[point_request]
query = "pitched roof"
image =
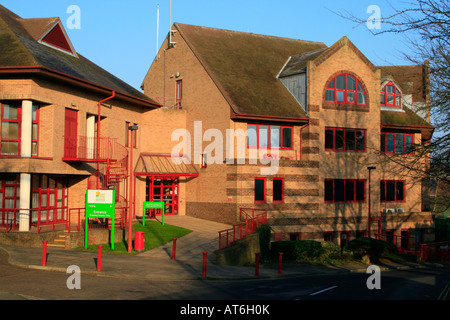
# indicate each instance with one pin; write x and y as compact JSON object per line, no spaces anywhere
{"x":244,"y":67}
{"x":411,"y":79}
{"x":18,"y":40}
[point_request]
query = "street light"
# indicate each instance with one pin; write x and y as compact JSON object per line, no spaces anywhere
{"x":368,"y":214}
{"x":131,"y":128}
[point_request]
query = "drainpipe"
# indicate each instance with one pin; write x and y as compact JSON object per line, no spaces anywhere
{"x":98,"y":130}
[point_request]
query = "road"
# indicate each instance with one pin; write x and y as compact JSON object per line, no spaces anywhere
{"x":413,"y":284}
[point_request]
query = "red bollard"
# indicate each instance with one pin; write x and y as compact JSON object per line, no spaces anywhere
{"x":280,"y":257}
{"x":204,"y":264}
{"x":44,"y":253}
{"x":99,"y":258}
{"x":256,"y":263}
{"x":174,"y":248}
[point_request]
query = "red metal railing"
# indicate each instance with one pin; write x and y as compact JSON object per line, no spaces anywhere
{"x":85,"y":149}
{"x":75,"y":219}
{"x":39,"y":218}
{"x":228,"y":237}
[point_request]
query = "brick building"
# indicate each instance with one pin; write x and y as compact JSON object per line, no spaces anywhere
{"x":229,"y":120}
{"x":63,"y":124}
{"x":325,"y":118}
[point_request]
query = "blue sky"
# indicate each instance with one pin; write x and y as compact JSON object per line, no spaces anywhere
{"x":120,"y":36}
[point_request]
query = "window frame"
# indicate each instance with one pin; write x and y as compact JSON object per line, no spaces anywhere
{"x":179,"y":93}
{"x":282,"y":190}
{"x":18,"y":121}
{"x":384,"y":195}
{"x":264,"y":190}
{"x":383,"y":143}
{"x":345,"y":181}
{"x":346,"y":91}
{"x":395,"y":94}
{"x":269,"y":127}
{"x":344,"y":148}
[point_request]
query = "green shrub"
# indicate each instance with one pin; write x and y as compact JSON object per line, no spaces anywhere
{"x":372,"y":247}
{"x":297,"y":249}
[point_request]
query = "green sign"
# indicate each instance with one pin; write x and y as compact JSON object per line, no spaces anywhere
{"x":153,"y":205}
{"x":100,"y":204}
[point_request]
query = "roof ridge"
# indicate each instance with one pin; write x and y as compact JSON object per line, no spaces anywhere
{"x":247,"y":33}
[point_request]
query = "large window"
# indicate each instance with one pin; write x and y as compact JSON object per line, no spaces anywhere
{"x":345,"y":89}
{"x":398,"y":143}
{"x":269,"y":136}
{"x":344,"y":139}
{"x":390,"y":96}
{"x":344,"y":190}
{"x":392,"y":190}
{"x":278,"y":190}
{"x":260,"y":190}
{"x":11,"y":118}
{"x":11,"y":122}
{"x":9,"y":198}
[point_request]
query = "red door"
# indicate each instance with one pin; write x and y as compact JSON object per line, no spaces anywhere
{"x":70,"y":134}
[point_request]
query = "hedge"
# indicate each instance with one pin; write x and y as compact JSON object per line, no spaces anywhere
{"x":297,"y":250}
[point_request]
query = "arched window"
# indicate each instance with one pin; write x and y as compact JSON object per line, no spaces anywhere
{"x":345,"y":89}
{"x":390,"y":96}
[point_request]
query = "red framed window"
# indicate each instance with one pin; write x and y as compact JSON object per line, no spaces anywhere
{"x":392,"y":191}
{"x":269,"y":136}
{"x":328,"y":236}
{"x":397,"y":143}
{"x":35,"y":130}
{"x":164,"y":189}
{"x":278,"y":190}
{"x":50,"y":197}
{"x":346,"y":89}
{"x":390,"y":96}
{"x":9,"y":197}
{"x":260,"y":190}
{"x":345,"y":139}
{"x":344,"y":190}
{"x":11,"y":126}
{"x":179,"y":93}
{"x":11,"y":121}
{"x":204,"y":160}
{"x":344,"y":238}
{"x":295,"y":236}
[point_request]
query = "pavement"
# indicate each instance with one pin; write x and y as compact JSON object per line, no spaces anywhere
{"x":157,"y":264}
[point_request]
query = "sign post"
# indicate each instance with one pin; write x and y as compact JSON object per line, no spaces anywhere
{"x":100,"y":204}
{"x":153,"y":205}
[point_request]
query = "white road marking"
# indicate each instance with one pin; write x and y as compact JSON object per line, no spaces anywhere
{"x":313,"y":294}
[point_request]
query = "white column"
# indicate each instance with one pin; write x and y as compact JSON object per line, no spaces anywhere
{"x":25,"y":199}
{"x":26,"y":128}
{"x":90,"y":134}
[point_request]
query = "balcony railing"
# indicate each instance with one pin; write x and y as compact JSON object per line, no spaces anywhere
{"x":85,"y":149}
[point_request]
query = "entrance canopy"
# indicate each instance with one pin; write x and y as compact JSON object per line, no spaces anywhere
{"x":164,"y":164}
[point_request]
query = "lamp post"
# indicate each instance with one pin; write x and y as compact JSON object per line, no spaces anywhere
{"x":131,"y":129}
{"x":368,"y":214}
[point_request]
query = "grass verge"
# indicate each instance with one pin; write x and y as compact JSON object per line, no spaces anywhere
{"x":155,"y":235}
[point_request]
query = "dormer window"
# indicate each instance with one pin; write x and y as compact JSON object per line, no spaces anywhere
{"x":345,"y":89}
{"x":390,"y":96}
